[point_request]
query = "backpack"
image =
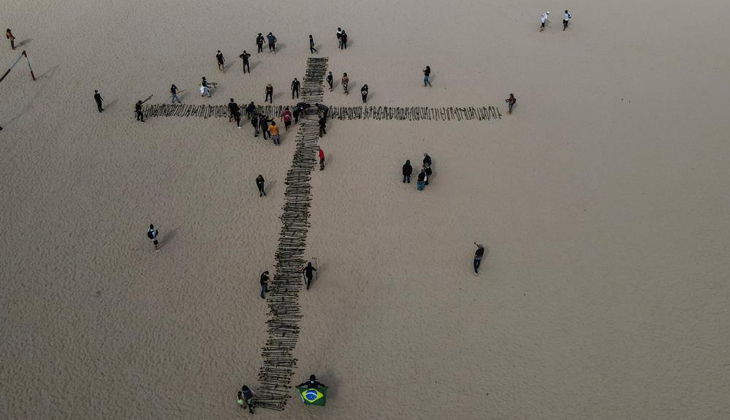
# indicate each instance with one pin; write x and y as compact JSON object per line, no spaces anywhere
{"x":150,"y":235}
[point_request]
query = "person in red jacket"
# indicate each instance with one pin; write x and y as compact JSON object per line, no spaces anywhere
{"x":321,"y":160}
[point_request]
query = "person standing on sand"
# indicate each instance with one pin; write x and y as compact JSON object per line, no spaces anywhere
{"x":173,"y":92}
{"x":322,"y":127}
{"x":138,"y":111}
{"x":260,"y":185}
{"x":10,"y":37}
{"x":264,"y":284}
{"x":311,"y":45}
{"x":427,"y":76}
{"x":345,"y":82}
{"x":330,"y":81}
{"x":295,"y":88}
{"x":511,"y":101}
{"x":272,"y":42}
{"x":233,"y":109}
{"x":308,"y":274}
{"x":428,"y":171}
{"x":426,"y":159}
{"x":407,"y":171}
{"x":269,"y":93}
{"x":339,"y":37}
{"x":221,"y":61}
{"x":152,"y":234}
{"x":321,"y":159}
{"x":98,"y":99}
{"x":246,"y":398}
{"x":260,"y":43}
{"x":245,"y":57}
{"x":544,"y":20}
{"x":255,"y":124}
{"x":205,"y":88}
{"x":250,"y":110}
{"x":286,"y":117}
{"x":274,"y":133}
{"x":264,"y":124}
{"x":566,"y":20}
{"x":364,"y":93}
{"x":478,"y":255}
{"x":343,"y":44}
{"x":421,"y":179}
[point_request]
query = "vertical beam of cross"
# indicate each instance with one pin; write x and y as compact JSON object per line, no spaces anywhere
{"x":284,"y":310}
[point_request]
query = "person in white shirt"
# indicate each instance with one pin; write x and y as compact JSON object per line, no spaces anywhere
{"x":544,"y":20}
{"x":566,"y":20}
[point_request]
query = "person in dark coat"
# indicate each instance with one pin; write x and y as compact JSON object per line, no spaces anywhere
{"x":260,"y":184}
{"x":364,"y":93}
{"x":264,"y":125}
{"x":295,"y":88}
{"x":478,"y":255}
{"x":421,"y":180}
{"x":98,"y":99}
{"x":233,"y":109}
{"x":272,"y":42}
{"x":264,"y":284}
{"x":407,"y":171}
{"x":311,"y":45}
{"x":260,"y":43}
{"x":428,"y":171}
{"x":221,"y":61}
{"x":330,"y":80}
{"x":322,"y":126}
{"x":138,"y":111}
{"x":426,"y":159}
{"x":255,"y":124}
{"x":245,"y":57}
{"x":312,"y":383}
{"x":343,"y":44}
{"x":309,"y":274}
{"x":323,"y":110}
{"x":250,"y":110}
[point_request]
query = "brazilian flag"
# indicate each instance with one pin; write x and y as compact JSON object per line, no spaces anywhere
{"x":313,"y":396}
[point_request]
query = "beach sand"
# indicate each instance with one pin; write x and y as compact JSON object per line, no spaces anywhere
{"x":602,"y":202}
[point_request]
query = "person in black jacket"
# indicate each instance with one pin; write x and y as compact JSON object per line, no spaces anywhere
{"x":97,"y":98}
{"x":260,"y":43}
{"x":421,"y":179}
{"x":364,"y":93}
{"x":426,"y":159}
{"x":233,"y":109}
{"x":312,"y":383}
{"x":245,"y":57}
{"x":322,"y":126}
{"x":260,"y":185}
{"x":330,"y":80}
{"x":255,"y":124}
{"x":478,"y":255}
{"x":264,"y":284}
{"x":428,"y":171}
{"x":309,"y":274}
{"x":138,"y":111}
{"x":264,"y":125}
{"x":250,"y":110}
{"x":407,"y":171}
{"x":295,"y":88}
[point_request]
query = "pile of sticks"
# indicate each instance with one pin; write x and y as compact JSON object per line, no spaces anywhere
{"x":412,"y":113}
{"x":283,"y":299}
{"x":416,"y":113}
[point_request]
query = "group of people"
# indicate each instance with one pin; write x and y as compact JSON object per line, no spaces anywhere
{"x":246,"y":398}
{"x":423,"y":176}
{"x":545,"y":20}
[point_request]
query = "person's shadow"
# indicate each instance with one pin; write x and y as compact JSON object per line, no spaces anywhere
{"x":110,"y":104}
{"x":269,"y":187}
{"x":168,"y":237}
{"x":279,"y":47}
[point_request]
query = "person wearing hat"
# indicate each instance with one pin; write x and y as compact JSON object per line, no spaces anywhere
{"x":544,"y":20}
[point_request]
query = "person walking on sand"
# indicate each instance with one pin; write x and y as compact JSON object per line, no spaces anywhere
{"x":330,"y":81}
{"x":343,"y":44}
{"x":245,"y":57}
{"x":255,"y":124}
{"x":204,"y":88}
{"x":233,"y":109}
{"x":544,"y":20}
{"x":274,"y":133}
{"x":246,"y":398}
{"x":364,"y":93}
{"x":221,"y":61}
{"x":322,"y":126}
{"x":250,"y":110}
{"x":98,"y":99}
{"x":295,"y":88}
{"x":10,"y":37}
{"x":308,"y":274}
{"x":511,"y":101}
{"x":407,"y":171}
{"x":269,"y":93}
{"x":345,"y":82}
{"x":152,"y":234}
{"x":264,"y":124}
{"x":272,"y":42}
{"x":566,"y":20}
{"x":478,"y":255}
{"x":264,"y":284}
{"x":260,"y":43}
{"x":321,"y":159}
{"x":312,"y":50}
{"x":286,"y":117}
{"x":260,"y":185}
{"x":138,"y":111}
{"x":427,"y":76}
{"x":421,"y":180}
{"x":173,"y":93}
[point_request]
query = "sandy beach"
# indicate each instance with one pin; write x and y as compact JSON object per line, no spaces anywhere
{"x":602,"y":201}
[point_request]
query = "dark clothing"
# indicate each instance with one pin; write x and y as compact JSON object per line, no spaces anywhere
{"x":477,"y":263}
{"x":312,"y":384}
{"x":247,"y":394}
{"x":260,"y":185}
{"x":219,"y":57}
{"x":269,"y":94}
{"x":322,"y":126}
{"x":250,"y":109}
{"x":138,"y":112}
{"x":296,"y":113}
{"x":427,"y":160}
{"x":260,"y":43}
{"x":311,"y":46}
{"x":364,"y":93}
{"x":264,"y":285}
{"x":324,"y":110}
{"x":272,"y":42}
{"x":295,"y":88}
{"x":428,"y":173}
{"x":407,"y":171}
{"x":343,"y":41}
{"x":97,"y":98}
{"x":264,"y":125}
{"x":309,"y":274}
{"x":479,"y":253}
{"x":330,"y":81}
{"x":255,"y":124}
{"x":233,"y":108}
{"x":245,"y":57}
{"x":478,"y":258}
{"x":421,"y":176}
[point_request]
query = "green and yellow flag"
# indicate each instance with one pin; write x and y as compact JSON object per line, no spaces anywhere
{"x":313,"y":396}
